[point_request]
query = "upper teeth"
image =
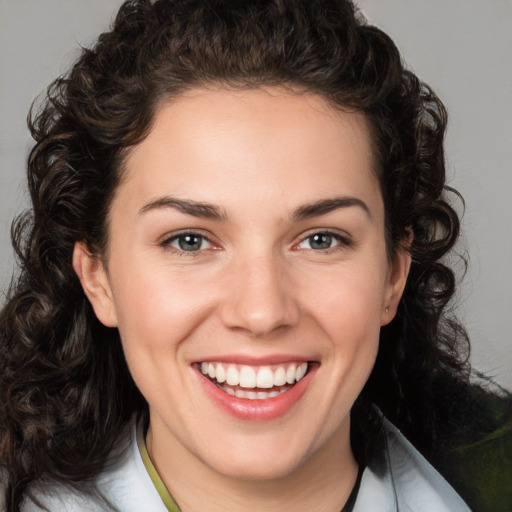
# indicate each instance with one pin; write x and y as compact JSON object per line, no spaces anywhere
{"x":264,"y":377}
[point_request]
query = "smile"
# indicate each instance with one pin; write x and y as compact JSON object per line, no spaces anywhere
{"x":254,"y":382}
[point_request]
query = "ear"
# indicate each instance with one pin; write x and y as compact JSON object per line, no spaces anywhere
{"x":398,"y":272}
{"x":94,"y":280}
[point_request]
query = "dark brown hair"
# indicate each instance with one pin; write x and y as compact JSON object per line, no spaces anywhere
{"x":65,"y":390}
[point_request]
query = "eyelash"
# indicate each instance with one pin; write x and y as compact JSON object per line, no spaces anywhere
{"x":341,"y":242}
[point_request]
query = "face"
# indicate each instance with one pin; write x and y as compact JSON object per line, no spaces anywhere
{"x":247,"y":273}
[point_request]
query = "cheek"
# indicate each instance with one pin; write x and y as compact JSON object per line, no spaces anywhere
{"x":347,"y":301}
{"x":157,"y":311}
{"x":348,"y":311}
{"x":157,"y":308}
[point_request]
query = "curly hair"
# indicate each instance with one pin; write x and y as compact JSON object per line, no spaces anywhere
{"x":65,"y":390}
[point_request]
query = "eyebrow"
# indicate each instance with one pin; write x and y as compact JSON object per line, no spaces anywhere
{"x":326,"y":206}
{"x":210,"y":211}
{"x":195,"y":208}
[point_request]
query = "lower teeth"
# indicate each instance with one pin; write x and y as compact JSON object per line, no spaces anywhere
{"x":253,"y":395}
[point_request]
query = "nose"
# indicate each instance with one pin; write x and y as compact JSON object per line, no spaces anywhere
{"x":260,"y":298}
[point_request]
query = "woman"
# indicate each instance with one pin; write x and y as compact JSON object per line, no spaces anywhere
{"x":232,"y":294}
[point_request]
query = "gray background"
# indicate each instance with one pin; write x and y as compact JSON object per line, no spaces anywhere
{"x":461,"y":47}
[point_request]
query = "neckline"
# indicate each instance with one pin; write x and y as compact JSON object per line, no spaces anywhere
{"x":172,"y":506}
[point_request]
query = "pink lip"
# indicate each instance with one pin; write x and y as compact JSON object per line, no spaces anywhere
{"x":257,"y":410}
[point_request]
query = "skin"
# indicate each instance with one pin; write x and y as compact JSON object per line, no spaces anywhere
{"x":256,"y":287}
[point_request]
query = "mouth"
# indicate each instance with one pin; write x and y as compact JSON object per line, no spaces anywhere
{"x":254,"y":382}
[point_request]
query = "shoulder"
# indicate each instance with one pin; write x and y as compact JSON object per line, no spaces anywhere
{"x":126,"y":481}
{"x":53,"y":497}
{"x":123,"y":486}
{"x":404,"y":480}
{"x":418,"y":485}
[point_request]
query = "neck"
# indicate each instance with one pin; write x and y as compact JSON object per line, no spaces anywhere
{"x":323,"y":482}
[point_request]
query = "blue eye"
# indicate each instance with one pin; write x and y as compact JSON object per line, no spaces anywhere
{"x":320,"y":241}
{"x":323,"y":241}
{"x":188,"y":242}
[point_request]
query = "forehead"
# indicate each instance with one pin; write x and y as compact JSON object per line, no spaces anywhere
{"x":276,"y":144}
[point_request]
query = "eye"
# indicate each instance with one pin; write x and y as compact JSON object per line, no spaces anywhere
{"x":322,"y":241}
{"x":188,"y":242}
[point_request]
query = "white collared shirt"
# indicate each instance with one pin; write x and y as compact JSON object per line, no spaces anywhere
{"x":408,"y":483}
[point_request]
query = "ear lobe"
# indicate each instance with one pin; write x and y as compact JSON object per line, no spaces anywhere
{"x":397,"y":279}
{"x":94,"y":280}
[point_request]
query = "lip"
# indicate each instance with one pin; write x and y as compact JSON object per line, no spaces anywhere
{"x":257,"y":410}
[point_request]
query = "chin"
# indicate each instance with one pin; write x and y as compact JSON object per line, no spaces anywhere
{"x":259,"y":469}
{"x":258,"y":460}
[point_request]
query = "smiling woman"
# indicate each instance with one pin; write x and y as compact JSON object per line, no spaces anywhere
{"x":232,"y":294}
{"x":253,"y":295}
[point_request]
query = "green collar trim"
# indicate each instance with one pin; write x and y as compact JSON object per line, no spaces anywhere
{"x":155,"y":477}
{"x":171,"y":504}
